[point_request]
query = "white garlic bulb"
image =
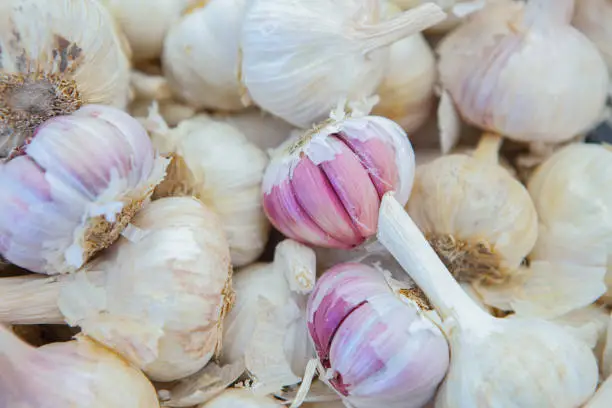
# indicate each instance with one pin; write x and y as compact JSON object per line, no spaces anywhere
{"x":593,"y":17}
{"x":243,"y":398}
{"x":201,"y":55}
{"x":497,"y":67}
{"x":215,"y":162}
{"x":299,"y":74}
{"x":262,"y":129}
{"x":267,"y":324}
{"x":145,"y":23}
{"x":602,"y":397}
{"x":56,"y":56}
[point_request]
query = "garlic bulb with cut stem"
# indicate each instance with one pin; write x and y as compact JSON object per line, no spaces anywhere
{"x":593,"y":17}
{"x":74,"y":187}
{"x":201,"y":56}
{"x":215,"y":162}
{"x":261,"y":128}
{"x":267,"y":325}
{"x":299,"y":74}
{"x":57,"y":56}
{"x":78,"y":373}
{"x":497,"y":67}
{"x":243,"y":398}
{"x":524,"y":362}
{"x":157,"y":297}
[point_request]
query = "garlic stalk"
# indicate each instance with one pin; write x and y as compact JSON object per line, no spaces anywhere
{"x":377,"y":339}
{"x":57,"y":56}
{"x":78,"y":373}
{"x":215,"y":162}
{"x":65,"y":199}
{"x":528,"y":361}
{"x":157,"y":297}
{"x":267,"y":325}
{"x":243,"y":398}
{"x":262,"y":129}
{"x":497,"y":69}
{"x":593,"y":17}
{"x":299,"y":74}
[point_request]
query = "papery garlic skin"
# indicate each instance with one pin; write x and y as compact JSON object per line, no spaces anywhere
{"x":497,"y":69}
{"x":74,"y":188}
{"x":593,"y":17}
{"x":78,"y":373}
{"x":378,"y":344}
{"x":243,"y":398}
{"x":57,"y":55}
{"x":324,"y":187}
{"x":201,"y":56}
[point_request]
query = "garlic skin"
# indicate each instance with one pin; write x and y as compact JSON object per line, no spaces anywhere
{"x":267,"y":324}
{"x":378,"y":341}
{"x":592,"y":17}
{"x":78,"y":373}
{"x":64,"y":200}
{"x":243,"y":398}
{"x":346,"y":57}
{"x":324,"y":187}
{"x":215,"y":162}
{"x":602,"y":397}
{"x":262,"y":129}
{"x":496,"y":68}
{"x":56,"y":56}
{"x":201,"y":56}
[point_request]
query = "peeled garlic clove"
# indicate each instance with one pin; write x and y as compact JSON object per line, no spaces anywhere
{"x":70,"y":192}
{"x":365,"y":329}
{"x":53,"y":62}
{"x":262,"y":129}
{"x":324,"y":187}
{"x":201,"y":55}
{"x":496,"y":68}
{"x":78,"y":373}
{"x":345,"y":57}
{"x":593,"y":17}
{"x":243,"y":398}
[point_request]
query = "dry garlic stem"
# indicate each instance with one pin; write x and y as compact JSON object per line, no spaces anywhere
{"x":78,"y":373}
{"x":55,"y":56}
{"x":530,"y":362}
{"x":520,"y":70}
{"x":158,"y":298}
{"x":593,"y":17}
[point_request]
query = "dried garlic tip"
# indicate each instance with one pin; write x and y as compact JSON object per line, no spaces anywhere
{"x":593,"y":17}
{"x":55,"y":56}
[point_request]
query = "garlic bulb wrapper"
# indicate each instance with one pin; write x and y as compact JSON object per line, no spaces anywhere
{"x":593,"y":17}
{"x":70,"y":192}
{"x":267,"y":324}
{"x":157,"y":298}
{"x":299,"y":73}
{"x":56,"y":56}
{"x":375,"y":338}
{"x":262,"y":129}
{"x":78,"y":373}
{"x":324,"y":188}
{"x":497,"y":69}
{"x":243,"y":398}
{"x":215,"y":162}
{"x":522,"y":362}
{"x":201,"y":56}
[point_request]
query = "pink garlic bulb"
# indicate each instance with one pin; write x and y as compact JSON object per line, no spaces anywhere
{"x":71,"y":190}
{"x":379,"y":341}
{"x":324,"y":188}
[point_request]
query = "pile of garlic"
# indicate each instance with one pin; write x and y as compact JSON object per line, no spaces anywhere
{"x":305,"y":203}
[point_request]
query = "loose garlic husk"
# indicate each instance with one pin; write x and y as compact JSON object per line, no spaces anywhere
{"x":593,"y":17}
{"x":52,"y":62}
{"x":497,"y":69}
{"x":267,"y":324}
{"x":201,"y":55}
{"x":525,"y":362}
{"x":262,"y":129}
{"x":78,"y":373}
{"x":215,"y":162}
{"x":243,"y":398}
{"x":299,"y":74}
{"x":158,"y":297}
{"x":70,"y":192}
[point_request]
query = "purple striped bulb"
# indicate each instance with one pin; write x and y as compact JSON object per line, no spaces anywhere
{"x":325,"y":188}
{"x":70,"y":192}
{"x":379,"y":343}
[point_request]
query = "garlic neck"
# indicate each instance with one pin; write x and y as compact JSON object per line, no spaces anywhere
{"x":488,"y":147}
{"x":31,"y":300}
{"x":553,"y":11}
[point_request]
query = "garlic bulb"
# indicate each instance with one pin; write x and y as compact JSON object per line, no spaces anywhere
{"x":524,"y":362}
{"x":264,"y":130}
{"x":324,"y":187}
{"x":602,"y":397}
{"x":145,"y":23}
{"x":157,"y":298}
{"x":299,"y":74}
{"x":215,"y":162}
{"x":267,"y":324}
{"x":57,"y":55}
{"x":201,"y":55}
{"x":593,"y":17}
{"x":497,"y":69}
{"x":377,"y":339}
{"x":78,"y":373}
{"x":70,"y":192}
{"x":243,"y":398}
